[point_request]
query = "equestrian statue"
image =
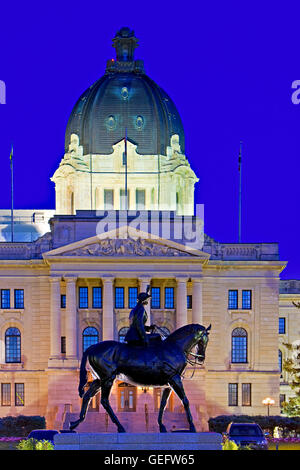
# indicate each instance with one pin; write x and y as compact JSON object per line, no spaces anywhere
{"x":144,"y":359}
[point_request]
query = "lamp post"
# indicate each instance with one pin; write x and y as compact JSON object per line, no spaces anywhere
{"x":268,"y":401}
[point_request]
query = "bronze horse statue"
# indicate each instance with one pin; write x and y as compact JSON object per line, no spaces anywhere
{"x":160,"y":364}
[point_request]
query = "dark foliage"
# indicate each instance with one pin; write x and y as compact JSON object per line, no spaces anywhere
{"x":20,"y":426}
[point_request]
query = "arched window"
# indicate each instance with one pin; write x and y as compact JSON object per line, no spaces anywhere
{"x":239,"y":345}
{"x":122,"y":334}
{"x":12,"y":345}
{"x":89,"y":336}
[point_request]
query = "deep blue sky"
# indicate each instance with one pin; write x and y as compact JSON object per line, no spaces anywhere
{"x":228,"y":66}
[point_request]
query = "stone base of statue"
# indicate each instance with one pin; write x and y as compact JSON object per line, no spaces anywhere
{"x":180,"y":441}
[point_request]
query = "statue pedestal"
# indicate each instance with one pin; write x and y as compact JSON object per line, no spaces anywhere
{"x":146,"y":441}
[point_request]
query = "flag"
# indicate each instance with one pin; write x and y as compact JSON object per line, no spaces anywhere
{"x":11,"y":156}
{"x":240,"y":156}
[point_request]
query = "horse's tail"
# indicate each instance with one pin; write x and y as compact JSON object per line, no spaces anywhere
{"x":82,"y":374}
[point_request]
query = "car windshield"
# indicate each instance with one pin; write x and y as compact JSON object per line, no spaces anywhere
{"x":245,"y":431}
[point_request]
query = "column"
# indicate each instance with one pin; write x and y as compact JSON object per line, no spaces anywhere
{"x":197,"y":316}
{"x":181,"y":302}
{"x":55,"y":321}
{"x":71,"y":318}
{"x":143,"y":283}
{"x":108,"y":309}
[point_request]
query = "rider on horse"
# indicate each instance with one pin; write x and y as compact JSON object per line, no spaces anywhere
{"x":136,"y":335}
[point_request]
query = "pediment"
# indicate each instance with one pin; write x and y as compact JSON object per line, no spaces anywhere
{"x":125,"y":242}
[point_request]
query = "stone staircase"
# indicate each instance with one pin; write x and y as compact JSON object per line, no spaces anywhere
{"x":133,"y":422}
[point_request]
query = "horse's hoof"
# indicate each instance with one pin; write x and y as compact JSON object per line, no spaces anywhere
{"x":162,"y":428}
{"x":73,"y":424}
{"x":193,"y":429}
{"x":121,"y":429}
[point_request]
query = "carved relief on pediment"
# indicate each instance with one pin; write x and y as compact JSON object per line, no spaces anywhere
{"x":127,"y":247}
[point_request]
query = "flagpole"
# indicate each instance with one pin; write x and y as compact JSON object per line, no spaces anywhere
{"x":12,"y":193}
{"x":126,"y":190}
{"x":240,"y":193}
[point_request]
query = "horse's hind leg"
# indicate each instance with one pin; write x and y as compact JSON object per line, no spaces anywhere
{"x":177,"y":386}
{"x":105,"y":391}
{"x":163,"y":403}
{"x":93,"y":389}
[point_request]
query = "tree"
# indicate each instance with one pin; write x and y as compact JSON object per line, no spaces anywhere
{"x":292,"y":367}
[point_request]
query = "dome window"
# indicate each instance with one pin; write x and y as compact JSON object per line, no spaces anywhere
{"x":111,"y":123}
{"x":124,"y":93}
{"x":139,"y":122}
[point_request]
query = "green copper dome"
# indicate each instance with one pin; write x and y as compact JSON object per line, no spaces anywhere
{"x":125,"y":98}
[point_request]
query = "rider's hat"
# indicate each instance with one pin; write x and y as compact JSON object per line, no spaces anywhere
{"x":144,"y":295}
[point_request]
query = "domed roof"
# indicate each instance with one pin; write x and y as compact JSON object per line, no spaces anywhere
{"x":125,"y":99}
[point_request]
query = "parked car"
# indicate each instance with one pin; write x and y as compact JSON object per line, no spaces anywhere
{"x":43,"y":434}
{"x":247,"y":434}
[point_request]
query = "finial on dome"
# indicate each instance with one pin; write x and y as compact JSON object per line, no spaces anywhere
{"x":125,"y":44}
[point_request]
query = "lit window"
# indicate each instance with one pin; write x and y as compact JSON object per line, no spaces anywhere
{"x":83,"y":297}
{"x":247,"y":299}
{"x":189,"y":301}
{"x":19,"y":395}
{"x":19,"y":298}
{"x":132,"y":296}
{"x":63,"y":301}
{"x":169,"y":297}
{"x":97,"y":297}
{"x":246,"y":394}
{"x":90,"y":336}
{"x":119,"y":297}
{"x":232,"y":299}
{"x":5,"y":394}
{"x":239,"y":345}
{"x":280,"y":361}
{"x":63,"y":344}
{"x":155,"y":297}
{"x":233,"y":394}
{"x":282,"y":325}
{"x":5,"y":298}
{"x":12,"y":345}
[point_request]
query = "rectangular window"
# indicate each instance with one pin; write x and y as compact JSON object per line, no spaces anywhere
{"x":19,"y":298}
{"x":155,"y":297}
{"x":5,"y":394}
{"x":281,"y":325}
{"x":123,"y":199}
{"x":246,"y":394}
{"x":281,"y":399}
{"x":247,"y":299}
{"x":97,"y":297}
{"x":19,"y":395}
{"x":83,"y":297}
{"x":63,"y":344}
{"x":132,"y":296}
{"x":232,"y":299}
{"x":108,"y":199}
{"x":189,"y":301}
{"x":5,"y":298}
{"x":140,"y":199}
{"x":63,"y":301}
{"x":119,"y":297}
{"x":169,"y":297}
{"x":233,"y":394}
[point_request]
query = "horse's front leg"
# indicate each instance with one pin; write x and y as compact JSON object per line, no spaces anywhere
{"x":105,"y":391}
{"x":177,"y":386}
{"x":91,"y":392}
{"x":163,"y":403}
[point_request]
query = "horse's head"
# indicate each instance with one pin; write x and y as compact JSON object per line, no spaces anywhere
{"x":201,"y":344}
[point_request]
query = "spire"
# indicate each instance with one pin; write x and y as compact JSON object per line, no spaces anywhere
{"x":125,"y":44}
